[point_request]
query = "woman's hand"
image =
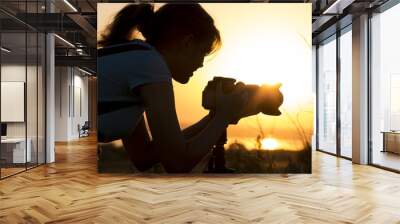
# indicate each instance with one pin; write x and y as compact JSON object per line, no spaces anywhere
{"x":229,"y":106}
{"x":176,"y":153}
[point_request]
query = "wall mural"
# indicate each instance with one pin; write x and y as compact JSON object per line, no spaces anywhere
{"x":205,"y":88}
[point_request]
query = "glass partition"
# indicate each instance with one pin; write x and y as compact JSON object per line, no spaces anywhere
{"x":22,"y":92}
{"x":14,"y":143}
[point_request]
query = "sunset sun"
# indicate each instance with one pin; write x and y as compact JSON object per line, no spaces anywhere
{"x":269,"y":144}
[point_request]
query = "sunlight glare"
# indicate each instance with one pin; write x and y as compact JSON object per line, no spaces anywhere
{"x":269,"y":144}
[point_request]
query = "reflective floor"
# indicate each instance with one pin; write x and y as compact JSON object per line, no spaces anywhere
{"x":387,"y":159}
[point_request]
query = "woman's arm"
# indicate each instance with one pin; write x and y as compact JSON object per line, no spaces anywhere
{"x":140,"y":148}
{"x":176,"y":153}
{"x":196,"y":128}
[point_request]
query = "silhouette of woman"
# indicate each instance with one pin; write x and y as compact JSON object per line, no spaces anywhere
{"x":135,"y":77}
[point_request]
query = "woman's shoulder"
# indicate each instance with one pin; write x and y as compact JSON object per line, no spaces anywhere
{"x":135,"y":53}
{"x":135,"y":60}
{"x":135,"y":45}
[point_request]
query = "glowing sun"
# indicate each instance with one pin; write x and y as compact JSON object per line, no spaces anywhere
{"x":269,"y":144}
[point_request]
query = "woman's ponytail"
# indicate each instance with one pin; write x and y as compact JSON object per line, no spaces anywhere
{"x":171,"y":22}
{"x":137,"y":16}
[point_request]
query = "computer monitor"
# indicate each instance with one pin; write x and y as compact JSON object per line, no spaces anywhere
{"x":3,"y":129}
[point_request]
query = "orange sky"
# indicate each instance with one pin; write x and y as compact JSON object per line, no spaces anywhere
{"x":261,"y":43}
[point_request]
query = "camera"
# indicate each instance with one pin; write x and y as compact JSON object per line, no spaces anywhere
{"x":266,"y":98}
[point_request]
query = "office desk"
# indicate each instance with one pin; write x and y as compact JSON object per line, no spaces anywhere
{"x":13,"y":150}
{"x":391,"y":141}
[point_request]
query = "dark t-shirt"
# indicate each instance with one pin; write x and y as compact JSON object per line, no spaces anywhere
{"x":121,"y":69}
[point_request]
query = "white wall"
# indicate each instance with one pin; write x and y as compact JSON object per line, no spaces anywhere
{"x":80,"y":89}
{"x":71,"y":93}
{"x":62,"y":81}
{"x":11,"y":73}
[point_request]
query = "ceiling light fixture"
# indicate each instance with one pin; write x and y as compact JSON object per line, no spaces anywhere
{"x":70,"y":5}
{"x":80,"y":51}
{"x":64,"y":40}
{"x":5,"y":50}
{"x":337,"y":7}
{"x":84,"y":71}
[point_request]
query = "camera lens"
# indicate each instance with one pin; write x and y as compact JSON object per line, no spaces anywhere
{"x":265,"y":98}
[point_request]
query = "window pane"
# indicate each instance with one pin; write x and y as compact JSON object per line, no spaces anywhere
{"x":327,"y":96}
{"x":346,"y":94}
{"x":386,"y":88}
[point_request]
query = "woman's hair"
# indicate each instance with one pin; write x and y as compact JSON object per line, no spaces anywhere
{"x":168,"y":23}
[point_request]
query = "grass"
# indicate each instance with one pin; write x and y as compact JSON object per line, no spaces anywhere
{"x":267,"y":161}
{"x":237,"y":156}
